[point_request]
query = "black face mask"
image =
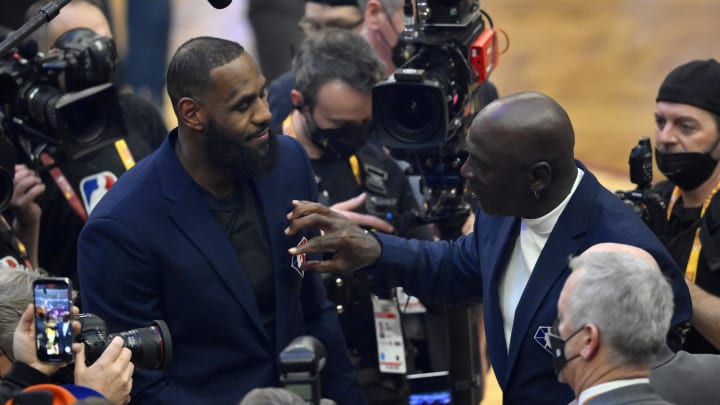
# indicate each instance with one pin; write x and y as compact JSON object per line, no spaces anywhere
{"x":341,"y":142}
{"x":557,"y":347}
{"x":687,"y":170}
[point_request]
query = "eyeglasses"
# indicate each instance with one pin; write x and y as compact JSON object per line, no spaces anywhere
{"x":309,"y":26}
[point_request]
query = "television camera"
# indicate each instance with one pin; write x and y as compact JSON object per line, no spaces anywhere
{"x":642,"y":199}
{"x":61,"y":101}
{"x":422,"y":113}
{"x":423,"y":110}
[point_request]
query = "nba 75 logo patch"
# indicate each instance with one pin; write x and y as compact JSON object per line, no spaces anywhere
{"x":296,"y":262}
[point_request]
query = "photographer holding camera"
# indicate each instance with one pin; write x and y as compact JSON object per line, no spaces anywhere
{"x":335,"y":71}
{"x":687,"y":150}
{"x":110,"y":375}
{"x":80,"y":37}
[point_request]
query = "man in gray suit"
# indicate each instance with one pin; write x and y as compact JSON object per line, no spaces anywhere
{"x":613,"y":315}
{"x":686,"y":378}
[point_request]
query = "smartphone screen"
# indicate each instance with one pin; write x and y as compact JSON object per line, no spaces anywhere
{"x":53,"y":331}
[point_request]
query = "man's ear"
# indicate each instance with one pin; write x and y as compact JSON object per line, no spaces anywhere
{"x":191,"y":114}
{"x":373,"y":15}
{"x":591,"y":344}
{"x":540,"y":176}
{"x":297,"y":99}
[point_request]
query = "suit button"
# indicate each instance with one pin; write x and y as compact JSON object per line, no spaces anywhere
{"x":340,"y":309}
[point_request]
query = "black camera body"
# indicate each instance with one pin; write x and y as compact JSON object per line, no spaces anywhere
{"x":300,"y":365}
{"x":444,"y":54}
{"x":63,"y":99}
{"x":151,"y":347}
{"x":423,"y":110}
{"x":642,"y":199}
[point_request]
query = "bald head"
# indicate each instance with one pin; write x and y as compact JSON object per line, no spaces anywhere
{"x":529,"y":126}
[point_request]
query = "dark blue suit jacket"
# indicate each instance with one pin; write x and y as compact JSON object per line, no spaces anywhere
{"x":152,"y":249}
{"x":470,"y":269}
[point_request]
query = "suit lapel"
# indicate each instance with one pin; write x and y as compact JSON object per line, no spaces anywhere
{"x":497,"y":347}
{"x":285,"y":278}
{"x":552,"y":265}
{"x":193,"y":218}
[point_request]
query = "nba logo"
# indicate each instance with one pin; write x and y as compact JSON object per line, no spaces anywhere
{"x":296,"y":262}
{"x":94,"y":187}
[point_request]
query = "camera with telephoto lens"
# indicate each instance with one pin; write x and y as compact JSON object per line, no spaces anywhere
{"x":62,"y":99}
{"x":151,"y":347}
{"x":642,"y":199}
{"x":424,"y":109}
{"x":300,"y":365}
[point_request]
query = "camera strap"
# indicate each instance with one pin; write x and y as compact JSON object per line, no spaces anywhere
{"x":64,"y":185}
{"x":692,"y":264}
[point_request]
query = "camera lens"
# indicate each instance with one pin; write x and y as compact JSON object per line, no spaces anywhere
{"x":151,"y":347}
{"x":412,"y":110}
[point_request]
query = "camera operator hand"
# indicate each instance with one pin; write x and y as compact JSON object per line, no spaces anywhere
{"x":24,"y":342}
{"x":353,"y":248}
{"x":369,"y":221}
{"x":27,"y":187}
{"x":110,"y":375}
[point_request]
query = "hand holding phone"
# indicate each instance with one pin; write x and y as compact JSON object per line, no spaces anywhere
{"x":54,"y":334}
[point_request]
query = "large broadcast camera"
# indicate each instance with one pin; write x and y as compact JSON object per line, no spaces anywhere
{"x":61,"y":101}
{"x":423,"y":110}
{"x":151,"y":347}
{"x":642,"y":199}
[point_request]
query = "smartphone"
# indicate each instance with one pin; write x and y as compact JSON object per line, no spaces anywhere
{"x":53,"y":315}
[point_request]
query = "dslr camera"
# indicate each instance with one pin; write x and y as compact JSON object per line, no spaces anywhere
{"x":151,"y":347}
{"x":300,"y":365}
{"x":424,"y":109}
{"x":642,"y":199}
{"x":63,"y":99}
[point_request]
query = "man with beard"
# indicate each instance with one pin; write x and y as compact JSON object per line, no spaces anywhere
{"x":193,"y":235}
{"x":687,"y":114}
{"x":537,"y":207}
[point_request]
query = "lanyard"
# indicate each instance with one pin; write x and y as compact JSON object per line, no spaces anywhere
{"x":64,"y":185}
{"x":692,"y":264}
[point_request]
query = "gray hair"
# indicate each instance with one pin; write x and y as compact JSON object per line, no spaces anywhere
{"x":16,"y":290}
{"x":271,"y":396}
{"x":629,"y":300}
{"x":335,"y":54}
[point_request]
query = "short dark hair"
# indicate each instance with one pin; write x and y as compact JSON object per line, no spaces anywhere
{"x":189,"y":69}
{"x":335,"y":54}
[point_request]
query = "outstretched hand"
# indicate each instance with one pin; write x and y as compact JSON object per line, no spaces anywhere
{"x":352,"y":247}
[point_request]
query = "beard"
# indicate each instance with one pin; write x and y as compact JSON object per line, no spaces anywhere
{"x":238,"y":157}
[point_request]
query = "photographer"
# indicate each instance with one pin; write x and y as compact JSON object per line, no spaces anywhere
{"x":335,"y":71}
{"x":110,"y":375}
{"x":143,"y":131}
{"x":687,"y":142}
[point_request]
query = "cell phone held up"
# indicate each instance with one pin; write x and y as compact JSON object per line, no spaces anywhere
{"x":53,"y":316}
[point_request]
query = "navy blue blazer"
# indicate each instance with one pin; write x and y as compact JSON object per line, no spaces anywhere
{"x":469,"y":270}
{"x":152,"y":249}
